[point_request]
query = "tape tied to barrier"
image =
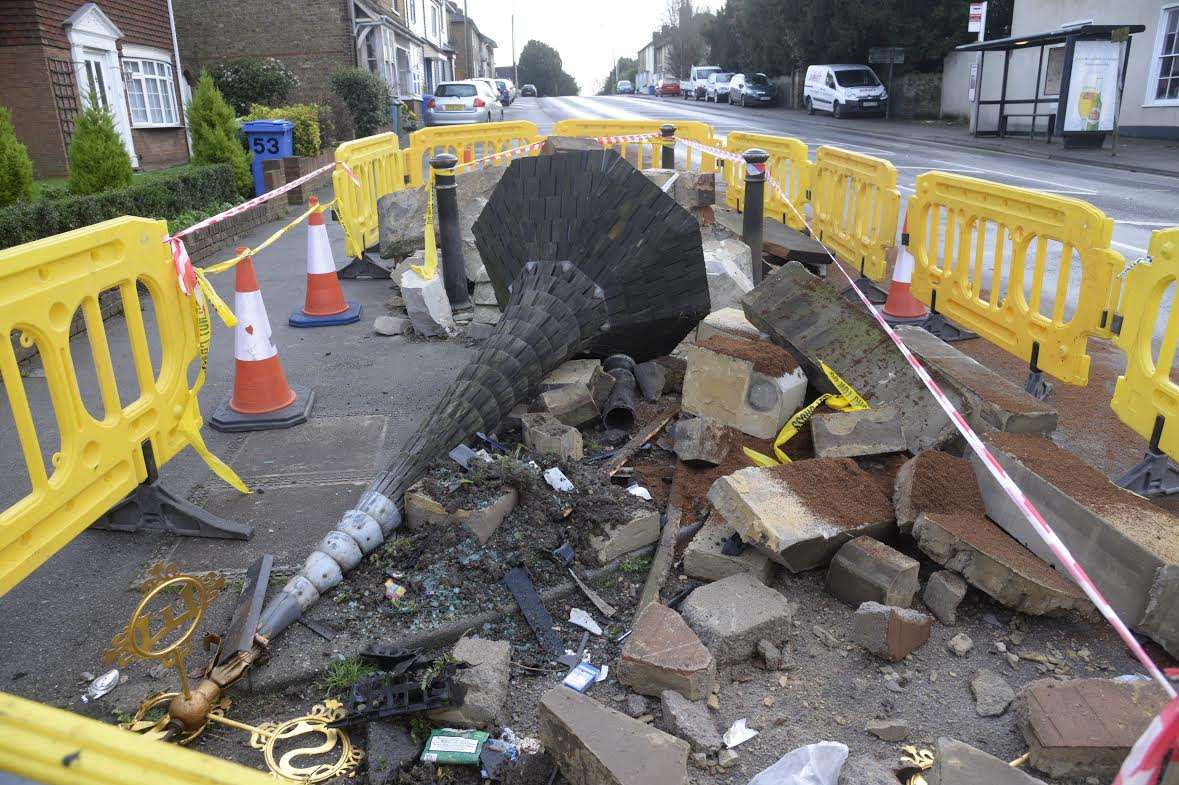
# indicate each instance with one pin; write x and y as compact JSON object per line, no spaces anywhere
{"x":429,"y":266}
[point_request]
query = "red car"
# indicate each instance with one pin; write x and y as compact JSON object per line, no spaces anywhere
{"x":668,"y":86}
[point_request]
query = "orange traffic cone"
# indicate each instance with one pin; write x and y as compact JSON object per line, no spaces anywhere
{"x":325,"y":304}
{"x":261,"y":397}
{"x":901,"y":305}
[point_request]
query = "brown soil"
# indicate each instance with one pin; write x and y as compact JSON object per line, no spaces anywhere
{"x":883,"y":469}
{"x":984,"y":536}
{"x":771,"y":360}
{"x":945,"y":484}
{"x":837,"y":489}
{"x":998,"y":391}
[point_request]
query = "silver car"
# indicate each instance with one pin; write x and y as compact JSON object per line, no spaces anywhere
{"x":458,"y":103}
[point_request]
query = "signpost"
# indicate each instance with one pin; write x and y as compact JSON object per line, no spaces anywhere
{"x":891,"y":55}
{"x":977,"y":23}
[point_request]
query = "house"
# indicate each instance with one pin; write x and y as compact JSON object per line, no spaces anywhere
{"x":57,"y":56}
{"x":1150,"y":98}
{"x":406,"y":42}
{"x":654,"y":61}
{"x":471,"y":46}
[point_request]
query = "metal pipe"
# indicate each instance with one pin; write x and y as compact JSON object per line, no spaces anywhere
{"x":753,"y":219}
{"x":454,"y":269}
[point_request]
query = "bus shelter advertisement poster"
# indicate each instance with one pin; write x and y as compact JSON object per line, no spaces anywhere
{"x":1093,"y":86}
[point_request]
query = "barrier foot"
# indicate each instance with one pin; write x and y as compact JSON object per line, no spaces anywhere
{"x":364,"y":267}
{"x":1036,"y":387}
{"x":938,"y":325}
{"x":874,"y":293}
{"x":1154,"y":475}
{"x":153,"y":507}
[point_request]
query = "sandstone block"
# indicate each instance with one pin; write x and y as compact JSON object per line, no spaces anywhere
{"x":872,"y":431}
{"x":705,"y":560}
{"x":867,"y":569}
{"x":641,"y":529}
{"x":888,"y":632}
{"x":944,"y":592}
{"x":731,"y":389}
{"x":545,"y":435}
{"x":730,"y":322}
{"x":691,"y":721}
{"x":701,"y":441}
{"x":485,"y":684}
{"x":733,"y":614}
{"x":935,"y":482}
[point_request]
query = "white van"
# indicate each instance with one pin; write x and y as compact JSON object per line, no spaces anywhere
{"x":697,"y":81}
{"x":844,"y":90}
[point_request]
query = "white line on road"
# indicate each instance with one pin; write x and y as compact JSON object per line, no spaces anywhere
{"x":1148,"y":223}
{"x":1129,"y":247}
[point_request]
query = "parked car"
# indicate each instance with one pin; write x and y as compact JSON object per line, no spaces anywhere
{"x":505,"y":91}
{"x":492,"y":86}
{"x":528,"y":90}
{"x":843,"y":90}
{"x":458,"y":103}
{"x":624,"y":87}
{"x":697,"y":80}
{"x":668,"y":86}
{"x":752,"y":90}
{"x":717,"y":87}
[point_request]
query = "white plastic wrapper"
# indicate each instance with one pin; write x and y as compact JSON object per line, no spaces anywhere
{"x":557,"y":480}
{"x":814,"y":764}
{"x":640,"y":491}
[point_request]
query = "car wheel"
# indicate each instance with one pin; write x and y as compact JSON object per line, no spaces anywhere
{"x":810,"y":107}
{"x":837,"y":110}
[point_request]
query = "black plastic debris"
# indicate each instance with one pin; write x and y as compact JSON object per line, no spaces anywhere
{"x":538,"y":618}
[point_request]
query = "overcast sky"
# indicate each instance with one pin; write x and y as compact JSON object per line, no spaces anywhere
{"x":583,"y":32}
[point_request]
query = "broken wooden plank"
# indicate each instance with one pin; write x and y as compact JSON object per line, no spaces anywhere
{"x":639,"y":439}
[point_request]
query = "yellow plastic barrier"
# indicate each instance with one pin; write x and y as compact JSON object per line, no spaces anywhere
{"x":646,"y":153}
{"x":379,"y":164}
{"x":96,"y":458}
{"x":466,"y":142}
{"x":1031,"y":272}
{"x":56,"y":747}
{"x":1146,"y":391}
{"x":788,"y":166}
{"x":855,"y":206}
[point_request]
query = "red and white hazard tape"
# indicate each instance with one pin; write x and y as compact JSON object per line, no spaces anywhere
{"x":715,"y":152}
{"x":627,"y":138}
{"x":1144,"y":763}
{"x":503,"y":155}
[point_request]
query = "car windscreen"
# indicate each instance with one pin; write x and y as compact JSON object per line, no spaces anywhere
{"x":502,"y":84}
{"x":856,"y":77}
{"x":723,"y":78}
{"x":455,"y":91}
{"x":758,"y":79}
{"x":704,"y":73}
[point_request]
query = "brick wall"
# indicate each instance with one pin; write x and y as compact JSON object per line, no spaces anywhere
{"x":316,"y":37}
{"x":159,"y":147}
{"x":28,"y":95}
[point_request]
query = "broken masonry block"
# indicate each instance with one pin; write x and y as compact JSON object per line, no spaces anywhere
{"x":694,"y":189}
{"x":801,"y":513}
{"x":1126,"y":543}
{"x":705,"y":559}
{"x":1085,"y":727}
{"x":484,"y":294}
{"x":663,"y":653}
{"x":701,"y":441}
{"x":568,"y":144}
{"x":730,"y":269}
{"x":594,"y":745}
{"x":586,"y":373}
{"x":865,"y":569}
{"x":424,"y":511}
{"x":808,"y":315}
{"x":484,"y":685}
{"x":427,"y":305}
{"x":944,"y":592}
{"x":572,"y":404}
{"x":674,"y":368}
{"x":957,"y":763}
{"x":545,"y":435}
{"x":730,"y":322}
{"x":749,"y":385}
{"x":641,"y":529}
{"x":936,"y":482}
{"x":874,"y":431}
{"x":731,"y":615}
{"x":888,"y":632}
{"x":991,"y":400}
{"x":994,"y":562}
{"x":401,"y":217}
{"x":992,"y":693}
{"x":391,"y":325}
{"x":691,"y":721}
{"x":486,"y":314}
{"x":861,"y":769}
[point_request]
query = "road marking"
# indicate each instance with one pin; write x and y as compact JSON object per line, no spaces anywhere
{"x":1147,"y":223}
{"x":1127,"y":246}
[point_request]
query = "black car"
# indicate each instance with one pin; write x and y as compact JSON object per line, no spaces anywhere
{"x":528,"y":89}
{"x":752,"y":90}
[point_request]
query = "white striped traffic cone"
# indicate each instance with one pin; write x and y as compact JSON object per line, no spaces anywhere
{"x":324,"y":304}
{"x":901,"y":305}
{"x":261,"y":397}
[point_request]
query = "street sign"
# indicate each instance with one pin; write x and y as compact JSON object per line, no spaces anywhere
{"x":886,"y":54}
{"x":978,"y":16}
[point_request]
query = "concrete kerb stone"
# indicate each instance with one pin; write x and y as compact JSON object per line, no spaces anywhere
{"x":705,"y":560}
{"x":545,"y":435}
{"x":956,"y":763}
{"x":944,"y":592}
{"x":427,"y":305}
{"x":584,"y":373}
{"x":731,"y":615}
{"x":874,"y":431}
{"x":729,"y":390}
{"x":701,"y":441}
{"x":729,"y":265}
{"x":865,"y":570}
{"x":729,"y":322}
{"x":888,"y":632}
{"x":934,"y":482}
{"x":691,"y":721}
{"x":485,"y":684}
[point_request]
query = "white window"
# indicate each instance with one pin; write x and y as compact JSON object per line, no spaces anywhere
{"x":413,"y":11}
{"x":1163,"y":88}
{"x":151,"y":92}
{"x":435,"y":21}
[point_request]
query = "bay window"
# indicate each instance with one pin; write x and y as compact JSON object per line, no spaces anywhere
{"x":151,"y":92}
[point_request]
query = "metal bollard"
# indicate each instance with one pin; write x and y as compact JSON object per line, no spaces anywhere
{"x":668,"y":132}
{"x":753,"y":219}
{"x":454,"y":270}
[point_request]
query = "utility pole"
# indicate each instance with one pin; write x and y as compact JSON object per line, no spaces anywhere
{"x":515,"y":73}
{"x":467,"y":41}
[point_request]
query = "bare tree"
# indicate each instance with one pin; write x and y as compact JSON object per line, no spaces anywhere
{"x":682,"y":24}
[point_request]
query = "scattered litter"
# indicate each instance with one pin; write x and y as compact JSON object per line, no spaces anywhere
{"x":584,"y":620}
{"x":557,"y":480}
{"x":570,"y":658}
{"x":739,"y":733}
{"x":462,"y":455}
{"x":101,"y":685}
{"x":452,"y":746}
{"x":565,"y":554}
{"x":394,"y":591}
{"x":583,"y":676}
{"x":496,"y":754}
{"x":640,"y":491}
{"x":528,"y":744}
{"x":492,"y":443}
{"x":814,"y":764}
{"x":538,"y":618}
{"x":604,"y":607}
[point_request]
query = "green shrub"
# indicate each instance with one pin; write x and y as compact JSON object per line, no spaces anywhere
{"x":166,"y":195}
{"x":367,"y":98}
{"x":16,"y":168}
{"x":304,"y":116}
{"x":214,"y":133}
{"x":98,"y":159}
{"x":335,"y":121}
{"x":253,"y":81}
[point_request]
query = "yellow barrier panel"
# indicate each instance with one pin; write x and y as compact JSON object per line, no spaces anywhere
{"x":98,"y":459}
{"x":466,"y":142}
{"x":788,"y":166}
{"x":646,"y":153}
{"x":56,"y":747}
{"x":1146,"y":391}
{"x":379,"y":164}
{"x":1031,"y":272}
{"x":854,"y":207}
